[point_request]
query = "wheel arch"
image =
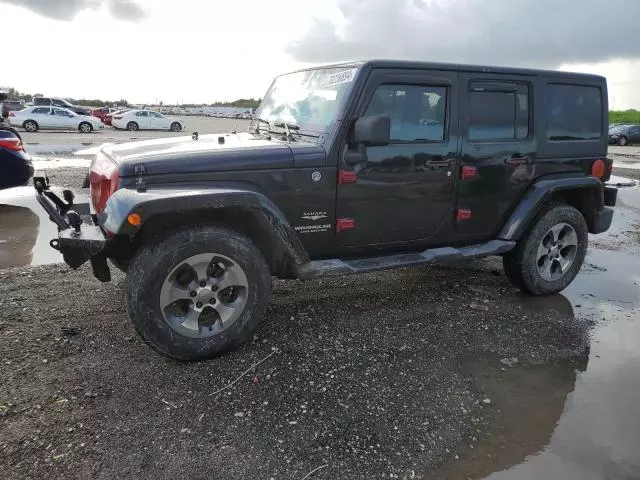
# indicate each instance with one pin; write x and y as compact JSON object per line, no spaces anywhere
{"x":583,"y":193}
{"x":247,"y":212}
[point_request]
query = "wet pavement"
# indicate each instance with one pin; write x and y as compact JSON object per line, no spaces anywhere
{"x":571,"y":420}
{"x":577,"y":418}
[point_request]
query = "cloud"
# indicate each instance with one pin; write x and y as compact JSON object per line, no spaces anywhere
{"x":67,"y":9}
{"x":510,"y":32}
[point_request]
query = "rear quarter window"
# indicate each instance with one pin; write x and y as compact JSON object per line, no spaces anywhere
{"x":574,"y":112}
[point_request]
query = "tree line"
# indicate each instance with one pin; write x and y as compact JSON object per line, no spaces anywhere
{"x":14,"y":94}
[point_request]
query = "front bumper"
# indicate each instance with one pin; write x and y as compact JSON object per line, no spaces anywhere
{"x":79,"y":238}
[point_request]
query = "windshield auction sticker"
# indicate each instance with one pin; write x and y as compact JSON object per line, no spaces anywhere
{"x":344,"y":76}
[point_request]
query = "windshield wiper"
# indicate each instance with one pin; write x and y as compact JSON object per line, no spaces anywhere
{"x":287,"y":128}
{"x":259,"y":121}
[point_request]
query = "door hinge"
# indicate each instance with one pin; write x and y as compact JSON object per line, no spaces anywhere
{"x":343,"y":224}
{"x":347,"y":176}
{"x":463,"y":214}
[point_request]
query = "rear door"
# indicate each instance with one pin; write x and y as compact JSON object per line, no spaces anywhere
{"x":142,"y":119}
{"x":43,"y":117}
{"x":498,"y":150}
{"x":404,"y":191}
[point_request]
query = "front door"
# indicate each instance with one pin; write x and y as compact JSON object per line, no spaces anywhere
{"x":158,"y":121}
{"x":64,"y":119}
{"x":404,"y":191}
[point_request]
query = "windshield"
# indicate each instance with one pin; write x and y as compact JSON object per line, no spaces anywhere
{"x":310,"y":99}
{"x":618,"y":129}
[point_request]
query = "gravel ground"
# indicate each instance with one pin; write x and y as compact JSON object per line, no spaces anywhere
{"x":627,"y":173}
{"x":69,"y":177}
{"x":364,"y":378}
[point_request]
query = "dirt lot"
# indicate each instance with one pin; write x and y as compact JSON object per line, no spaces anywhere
{"x":436,"y":373}
{"x":366,"y":378}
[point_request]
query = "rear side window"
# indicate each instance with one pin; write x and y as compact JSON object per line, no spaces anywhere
{"x":574,"y":112}
{"x":41,"y":110}
{"x":498,"y":111}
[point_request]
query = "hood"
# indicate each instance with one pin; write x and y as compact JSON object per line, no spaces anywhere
{"x":243,"y":151}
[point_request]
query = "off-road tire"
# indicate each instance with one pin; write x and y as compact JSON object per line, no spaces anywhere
{"x":153,"y":262}
{"x":520,"y":264}
{"x":31,"y":126}
{"x":133,"y":126}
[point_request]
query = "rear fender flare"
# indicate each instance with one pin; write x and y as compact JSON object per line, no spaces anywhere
{"x":539,"y":194}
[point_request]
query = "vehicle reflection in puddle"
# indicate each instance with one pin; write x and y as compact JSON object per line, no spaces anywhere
{"x":25,"y":229}
{"x":578,"y":418}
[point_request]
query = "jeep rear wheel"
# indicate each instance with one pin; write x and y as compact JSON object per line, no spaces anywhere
{"x":550,"y":254}
{"x":198,"y":292}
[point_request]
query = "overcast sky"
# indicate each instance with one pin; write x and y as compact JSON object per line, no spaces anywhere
{"x":195,"y":51}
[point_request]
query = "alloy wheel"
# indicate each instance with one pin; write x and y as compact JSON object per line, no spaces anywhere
{"x":557,"y":251}
{"x":203,"y":295}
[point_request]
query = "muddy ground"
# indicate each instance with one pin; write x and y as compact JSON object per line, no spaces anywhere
{"x":368,"y":378}
{"x":444,"y":372}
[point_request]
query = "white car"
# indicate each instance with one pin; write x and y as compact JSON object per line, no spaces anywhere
{"x":146,"y":120}
{"x":33,"y":119}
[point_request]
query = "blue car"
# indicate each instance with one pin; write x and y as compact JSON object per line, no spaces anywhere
{"x":15,"y":165}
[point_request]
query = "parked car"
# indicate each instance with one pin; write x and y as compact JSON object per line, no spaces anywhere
{"x":109,"y":117}
{"x":15,"y":165}
{"x":348,"y":169}
{"x":7,"y":106}
{"x":103,"y":112}
{"x":146,"y":120}
{"x":62,"y":103}
{"x":36,"y":118}
{"x":624,"y":135}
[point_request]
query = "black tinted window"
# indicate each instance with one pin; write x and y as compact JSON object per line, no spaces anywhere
{"x":417,"y":112}
{"x":41,"y":101}
{"x":498,"y":111}
{"x":574,"y":112}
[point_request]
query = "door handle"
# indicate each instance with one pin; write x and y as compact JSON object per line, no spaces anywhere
{"x":516,"y":161}
{"x":440,"y":163}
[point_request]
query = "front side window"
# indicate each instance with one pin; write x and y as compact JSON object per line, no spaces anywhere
{"x":154,"y":114}
{"x":574,"y":112}
{"x":498,"y":111}
{"x":417,"y":112}
{"x":310,"y":99}
{"x":62,"y":113}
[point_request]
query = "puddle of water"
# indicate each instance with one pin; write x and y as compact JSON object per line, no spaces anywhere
{"x":580,"y":418}
{"x":42,"y":163}
{"x":25,"y":228}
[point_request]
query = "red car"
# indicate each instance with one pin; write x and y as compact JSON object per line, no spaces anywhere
{"x":104,"y":114}
{"x":108,"y":117}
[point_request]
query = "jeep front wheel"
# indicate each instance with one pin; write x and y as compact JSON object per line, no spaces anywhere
{"x":198,"y":292}
{"x":550,"y":254}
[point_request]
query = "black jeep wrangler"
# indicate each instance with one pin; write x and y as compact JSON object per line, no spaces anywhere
{"x":346,"y":169}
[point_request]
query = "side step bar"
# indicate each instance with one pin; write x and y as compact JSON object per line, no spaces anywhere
{"x":336,"y":267}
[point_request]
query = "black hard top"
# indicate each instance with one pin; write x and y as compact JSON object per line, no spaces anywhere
{"x":410,"y":64}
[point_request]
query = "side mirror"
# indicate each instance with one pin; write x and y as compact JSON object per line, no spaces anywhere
{"x":372,"y":131}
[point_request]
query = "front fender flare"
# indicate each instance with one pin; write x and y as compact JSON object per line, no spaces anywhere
{"x":182,"y":200}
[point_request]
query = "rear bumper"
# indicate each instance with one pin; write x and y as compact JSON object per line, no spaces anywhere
{"x":79,"y":238}
{"x":601,"y":221}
